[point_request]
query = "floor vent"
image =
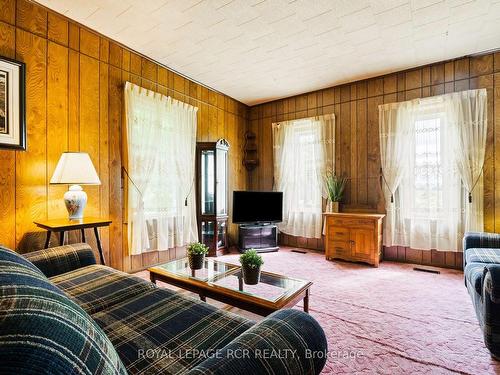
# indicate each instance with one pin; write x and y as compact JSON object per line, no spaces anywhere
{"x":299,"y":251}
{"x":427,"y":269}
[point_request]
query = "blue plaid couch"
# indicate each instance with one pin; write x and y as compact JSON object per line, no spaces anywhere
{"x":482,"y":279}
{"x":61,"y":313}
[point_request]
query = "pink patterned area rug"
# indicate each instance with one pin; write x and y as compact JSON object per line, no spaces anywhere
{"x":386,"y":320}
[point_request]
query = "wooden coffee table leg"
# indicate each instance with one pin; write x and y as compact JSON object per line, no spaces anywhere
{"x":306,"y":301}
{"x":152,"y":277}
{"x":203,"y":298}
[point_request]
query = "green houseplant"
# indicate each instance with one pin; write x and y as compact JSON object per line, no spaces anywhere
{"x":335,"y":186}
{"x":251,"y":263}
{"x":196,"y":255}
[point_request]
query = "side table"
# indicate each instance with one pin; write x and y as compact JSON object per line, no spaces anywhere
{"x":61,"y":226}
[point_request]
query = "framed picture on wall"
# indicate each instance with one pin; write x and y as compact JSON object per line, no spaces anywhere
{"x":12,"y":104}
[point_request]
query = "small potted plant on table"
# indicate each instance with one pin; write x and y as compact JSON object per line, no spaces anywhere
{"x":251,"y":263}
{"x":196,"y":255}
{"x":335,"y":186}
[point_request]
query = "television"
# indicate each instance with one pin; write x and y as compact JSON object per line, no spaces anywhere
{"x":257,"y":207}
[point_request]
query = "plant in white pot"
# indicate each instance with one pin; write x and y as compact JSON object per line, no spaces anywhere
{"x":335,"y":186}
{"x":251,"y":263}
{"x":196,"y":255}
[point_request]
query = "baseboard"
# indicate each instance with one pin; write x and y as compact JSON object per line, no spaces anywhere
{"x":443,"y":259}
{"x":434,"y":258}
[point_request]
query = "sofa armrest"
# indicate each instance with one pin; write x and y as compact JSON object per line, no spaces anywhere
{"x":57,"y":260}
{"x":488,"y":308}
{"x":475,"y":240}
{"x":481,"y":240}
{"x":491,"y":282}
{"x":286,"y":342}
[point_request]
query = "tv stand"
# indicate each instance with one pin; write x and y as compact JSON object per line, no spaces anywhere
{"x":261,"y":237}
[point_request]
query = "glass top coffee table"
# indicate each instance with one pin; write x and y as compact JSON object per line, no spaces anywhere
{"x":224,"y":282}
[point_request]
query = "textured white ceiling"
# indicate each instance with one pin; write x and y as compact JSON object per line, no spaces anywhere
{"x":258,"y":50}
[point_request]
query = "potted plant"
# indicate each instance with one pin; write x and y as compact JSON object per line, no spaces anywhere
{"x":251,"y":263}
{"x":335,"y":186}
{"x":196,"y":255}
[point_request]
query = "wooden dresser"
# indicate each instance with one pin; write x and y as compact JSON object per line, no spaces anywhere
{"x":354,"y":236}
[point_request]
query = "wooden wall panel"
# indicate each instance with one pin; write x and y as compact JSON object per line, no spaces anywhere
{"x":74,"y":101}
{"x":7,"y":157}
{"x":75,"y":81}
{"x":57,"y":123}
{"x":31,"y":172}
{"x":89,"y":122}
{"x":355,"y":106}
{"x":57,"y":29}
{"x":104,"y":151}
{"x":31,"y":17}
{"x":116,"y":250}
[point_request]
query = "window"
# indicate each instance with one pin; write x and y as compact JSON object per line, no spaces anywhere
{"x":306,"y":139}
{"x":161,"y":141}
{"x":430,"y":195}
{"x":303,"y":151}
{"x":427,"y":167}
{"x":436,"y":189}
{"x":432,"y":156}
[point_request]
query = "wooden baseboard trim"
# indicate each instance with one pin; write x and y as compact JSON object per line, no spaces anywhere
{"x":443,"y":259}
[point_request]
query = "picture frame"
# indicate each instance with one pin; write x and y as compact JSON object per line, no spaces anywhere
{"x":12,"y":104}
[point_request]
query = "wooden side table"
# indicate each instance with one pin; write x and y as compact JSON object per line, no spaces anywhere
{"x":61,"y":226}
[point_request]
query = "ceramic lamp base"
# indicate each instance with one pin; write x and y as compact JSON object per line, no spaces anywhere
{"x":75,"y":200}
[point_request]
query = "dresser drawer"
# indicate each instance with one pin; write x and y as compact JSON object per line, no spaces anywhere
{"x":351,"y":222}
{"x":338,"y":233}
{"x":339,"y":248}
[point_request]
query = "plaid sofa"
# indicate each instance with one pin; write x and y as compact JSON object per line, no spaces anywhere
{"x":110,"y":322}
{"x":482,"y":279}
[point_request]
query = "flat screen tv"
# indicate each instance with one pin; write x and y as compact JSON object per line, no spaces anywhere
{"x":257,"y":207}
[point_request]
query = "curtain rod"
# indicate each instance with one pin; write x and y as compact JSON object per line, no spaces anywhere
{"x":306,"y":118}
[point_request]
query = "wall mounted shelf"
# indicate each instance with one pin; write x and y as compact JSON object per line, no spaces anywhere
{"x":250,"y":159}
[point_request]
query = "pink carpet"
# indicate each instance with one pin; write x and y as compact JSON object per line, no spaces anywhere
{"x":387,"y":320}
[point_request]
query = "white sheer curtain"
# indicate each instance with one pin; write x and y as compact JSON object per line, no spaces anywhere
{"x":431,"y":192}
{"x":161,"y":142}
{"x":444,"y":140}
{"x":467,"y":113}
{"x":303,"y":152}
{"x":396,"y":138}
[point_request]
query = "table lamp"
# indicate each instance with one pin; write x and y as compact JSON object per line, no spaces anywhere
{"x":75,"y":169}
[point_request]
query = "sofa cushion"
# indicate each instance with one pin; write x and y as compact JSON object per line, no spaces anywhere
{"x":160,"y":331}
{"x":482,"y":255}
{"x":474,"y":276}
{"x":98,"y":287}
{"x":42,"y":331}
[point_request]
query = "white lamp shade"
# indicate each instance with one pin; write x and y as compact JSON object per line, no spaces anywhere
{"x":75,"y":168}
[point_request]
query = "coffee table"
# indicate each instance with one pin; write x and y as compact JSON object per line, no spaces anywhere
{"x":223,"y":282}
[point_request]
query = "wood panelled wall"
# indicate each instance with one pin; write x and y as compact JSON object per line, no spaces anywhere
{"x":75,"y":80}
{"x":357,"y":145}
